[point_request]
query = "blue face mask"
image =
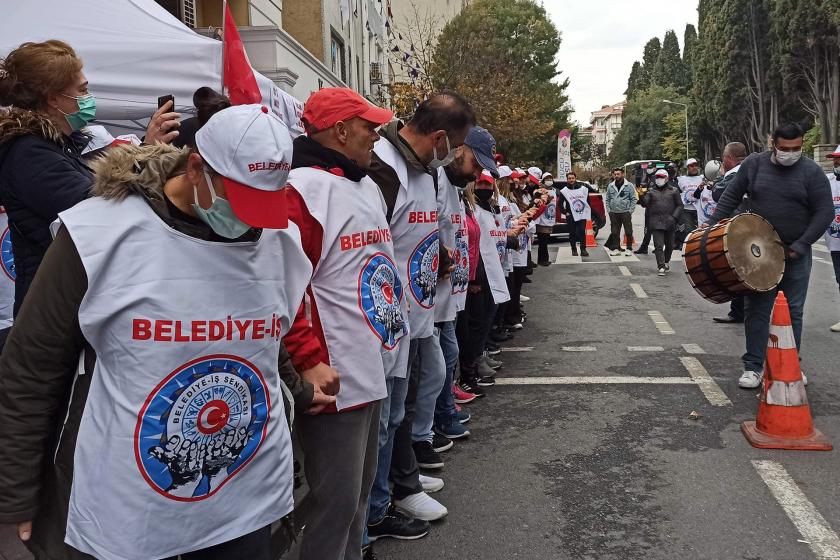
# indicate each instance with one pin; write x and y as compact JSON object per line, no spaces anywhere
{"x":220,"y":216}
{"x":85,"y":114}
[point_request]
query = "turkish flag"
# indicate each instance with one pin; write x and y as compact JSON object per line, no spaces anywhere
{"x":239,"y":77}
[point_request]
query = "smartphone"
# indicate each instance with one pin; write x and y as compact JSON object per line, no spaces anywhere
{"x":164,"y":98}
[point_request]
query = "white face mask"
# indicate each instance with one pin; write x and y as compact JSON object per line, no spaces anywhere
{"x":450,"y":156}
{"x":549,"y":183}
{"x":661,"y":182}
{"x":788,"y":158}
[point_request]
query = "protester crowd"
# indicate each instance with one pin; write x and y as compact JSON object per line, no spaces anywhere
{"x":173,"y":297}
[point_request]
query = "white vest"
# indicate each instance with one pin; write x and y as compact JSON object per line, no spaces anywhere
{"x":549,"y":217}
{"x":578,"y":200}
{"x":832,"y":234}
{"x":689,"y":184}
{"x":451,"y":293}
{"x":508,"y":220}
{"x":355,"y":286}
{"x":519,"y":257}
{"x":7,"y":278}
{"x":183,"y":443}
{"x":705,"y":205}
{"x":492,"y":246}
{"x":414,"y":227}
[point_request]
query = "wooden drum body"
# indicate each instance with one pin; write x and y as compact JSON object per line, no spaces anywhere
{"x":734,"y":257}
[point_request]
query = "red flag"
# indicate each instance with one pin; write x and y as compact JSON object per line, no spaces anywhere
{"x":238,"y":76}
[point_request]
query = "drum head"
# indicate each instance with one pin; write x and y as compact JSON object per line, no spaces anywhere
{"x":755,"y":251}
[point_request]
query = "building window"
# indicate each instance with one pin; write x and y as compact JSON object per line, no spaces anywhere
{"x":184,"y":10}
{"x":337,"y":56}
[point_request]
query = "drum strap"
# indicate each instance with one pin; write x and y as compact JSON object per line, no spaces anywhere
{"x":707,"y":267}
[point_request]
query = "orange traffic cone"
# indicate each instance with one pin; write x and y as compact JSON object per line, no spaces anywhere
{"x":590,"y":235}
{"x":784,"y":417}
{"x":627,"y":242}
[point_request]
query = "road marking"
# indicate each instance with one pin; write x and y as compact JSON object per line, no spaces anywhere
{"x":660,"y":322}
{"x":693,"y":349}
{"x":645,"y":348}
{"x":821,"y":248}
{"x":637,"y":289}
{"x":712,"y":390}
{"x":517,"y":349}
{"x":595,"y":380}
{"x":579,"y":349}
{"x":625,"y":271}
{"x":810,"y":523}
{"x":564,"y":256}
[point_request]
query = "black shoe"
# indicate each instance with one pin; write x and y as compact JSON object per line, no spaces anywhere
{"x":397,"y":525}
{"x":470,"y":385}
{"x":486,"y":381}
{"x":441,"y":443}
{"x":545,"y":264}
{"x":641,"y":251}
{"x":584,"y":253}
{"x":727,"y":319}
{"x":574,"y":252}
{"x":368,"y":553}
{"x":500,"y":336}
{"x":427,"y":457}
{"x":526,"y":280}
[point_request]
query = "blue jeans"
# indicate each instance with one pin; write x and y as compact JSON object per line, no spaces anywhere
{"x":759,"y":307}
{"x":432,"y":377}
{"x":390,"y":418}
{"x":445,"y":406}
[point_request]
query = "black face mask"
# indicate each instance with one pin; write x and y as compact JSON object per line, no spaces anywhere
{"x":483,"y":195}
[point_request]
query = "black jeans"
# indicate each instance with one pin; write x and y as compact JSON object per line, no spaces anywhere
{"x":736,"y":308}
{"x":663,"y":246}
{"x":577,"y":235}
{"x":515,"y":280}
{"x":473,"y":326}
{"x":542,"y":247}
{"x":253,"y":546}
{"x":618,"y":219}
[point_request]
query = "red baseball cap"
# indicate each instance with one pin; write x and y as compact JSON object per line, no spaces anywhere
{"x":327,"y":106}
{"x":485,"y":178}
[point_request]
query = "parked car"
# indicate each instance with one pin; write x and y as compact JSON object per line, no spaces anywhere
{"x":599,"y":216}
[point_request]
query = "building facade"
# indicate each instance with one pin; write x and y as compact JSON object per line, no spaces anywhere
{"x":604,"y":126}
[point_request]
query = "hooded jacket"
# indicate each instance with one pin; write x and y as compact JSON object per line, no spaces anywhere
{"x":663,"y":205}
{"x":43,"y":385}
{"x":42,"y":173}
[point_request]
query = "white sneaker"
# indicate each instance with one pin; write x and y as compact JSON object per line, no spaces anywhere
{"x":628,"y":252}
{"x":661,"y":271}
{"x":750,"y":380}
{"x":835,"y":327}
{"x":421,"y":506}
{"x":615,"y":253}
{"x":523,"y":299}
{"x":431,"y":484}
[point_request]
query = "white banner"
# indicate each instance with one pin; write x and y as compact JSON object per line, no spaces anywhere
{"x":564,"y":153}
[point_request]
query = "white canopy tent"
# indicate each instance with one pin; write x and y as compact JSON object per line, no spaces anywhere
{"x":134,"y":51}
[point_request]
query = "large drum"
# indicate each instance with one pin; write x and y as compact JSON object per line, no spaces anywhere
{"x":734,"y":257}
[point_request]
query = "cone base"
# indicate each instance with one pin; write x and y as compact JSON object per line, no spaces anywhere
{"x":816,"y":442}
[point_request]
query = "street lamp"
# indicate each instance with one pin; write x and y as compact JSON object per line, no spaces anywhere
{"x":684,"y":106}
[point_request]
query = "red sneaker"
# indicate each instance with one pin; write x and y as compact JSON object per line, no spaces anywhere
{"x":461,"y":396}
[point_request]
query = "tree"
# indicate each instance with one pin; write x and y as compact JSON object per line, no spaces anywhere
{"x":643,"y":130}
{"x":809,"y":36}
{"x":673,"y":141}
{"x":669,"y":70}
{"x":413,"y":43}
{"x":509,"y":75}
{"x":649,"y":59}
{"x":634,"y":83}
{"x":689,"y":46}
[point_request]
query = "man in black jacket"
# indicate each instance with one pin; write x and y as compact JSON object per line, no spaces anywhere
{"x":793,"y":194}
{"x":663,"y":206}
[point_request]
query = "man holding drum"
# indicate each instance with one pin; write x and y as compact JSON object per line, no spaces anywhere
{"x":793,"y":194}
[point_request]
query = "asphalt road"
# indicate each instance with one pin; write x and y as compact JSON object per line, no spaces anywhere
{"x":623,"y":471}
{"x":648,"y":469}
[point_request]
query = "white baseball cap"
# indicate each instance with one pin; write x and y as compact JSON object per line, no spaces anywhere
{"x":251,"y":149}
{"x":535,"y":172}
{"x":691,"y":161}
{"x":661,"y":173}
{"x":836,"y":153}
{"x":504,"y":171}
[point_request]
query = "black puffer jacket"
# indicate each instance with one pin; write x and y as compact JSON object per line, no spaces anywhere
{"x":42,"y":173}
{"x":662,"y":207}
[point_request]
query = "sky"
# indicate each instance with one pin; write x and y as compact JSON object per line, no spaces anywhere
{"x":602,"y":38}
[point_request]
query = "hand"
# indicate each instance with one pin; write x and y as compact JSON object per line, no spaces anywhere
{"x":320,"y":401}
{"x":163,"y":128}
{"x":793,"y":254}
{"x":523,"y":220}
{"x":323,"y":378}
{"x":24,"y":530}
{"x":515,"y":231}
{"x":473,"y":289}
{"x":448,"y":272}
{"x":704,"y":225}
